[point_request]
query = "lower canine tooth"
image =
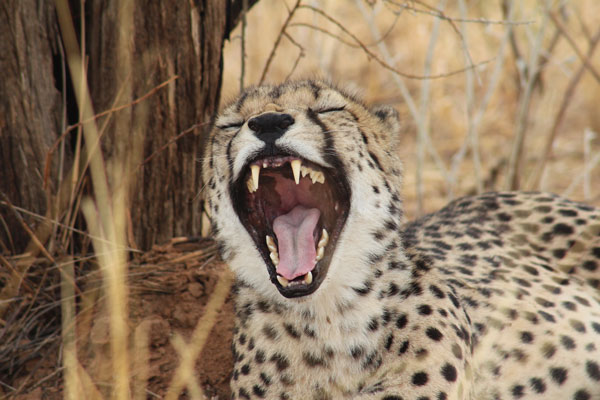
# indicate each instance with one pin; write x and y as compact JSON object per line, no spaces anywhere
{"x":271,"y":244}
{"x":324,"y":239}
{"x":320,"y":253}
{"x":308,"y":278}
{"x":282,"y":281}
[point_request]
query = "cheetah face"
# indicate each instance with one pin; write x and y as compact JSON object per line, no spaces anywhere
{"x":276,"y":175}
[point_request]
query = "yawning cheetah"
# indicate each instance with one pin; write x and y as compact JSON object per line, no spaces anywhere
{"x":493,"y":297}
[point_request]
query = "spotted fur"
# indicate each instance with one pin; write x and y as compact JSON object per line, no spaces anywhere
{"x":493,"y":297}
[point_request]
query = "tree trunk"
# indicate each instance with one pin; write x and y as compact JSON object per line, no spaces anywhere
{"x":131,"y":48}
{"x":30,"y":114}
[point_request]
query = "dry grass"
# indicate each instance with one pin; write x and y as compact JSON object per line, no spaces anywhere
{"x":512,"y":103}
{"x":463,"y":133}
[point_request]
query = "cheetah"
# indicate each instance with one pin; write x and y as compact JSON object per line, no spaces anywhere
{"x":495,"y":296}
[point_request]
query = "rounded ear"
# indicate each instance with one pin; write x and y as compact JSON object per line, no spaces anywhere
{"x":390,"y":118}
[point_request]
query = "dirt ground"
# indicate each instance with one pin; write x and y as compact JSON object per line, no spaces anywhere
{"x":170,"y":287}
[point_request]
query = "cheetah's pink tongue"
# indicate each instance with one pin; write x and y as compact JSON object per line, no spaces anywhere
{"x":296,"y":245}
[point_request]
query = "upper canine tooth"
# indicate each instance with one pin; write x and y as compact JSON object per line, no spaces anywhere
{"x":296,"y":164}
{"x":284,"y":282}
{"x":324,"y":239}
{"x":250,"y":185}
{"x":255,"y":175}
{"x":308,"y":278}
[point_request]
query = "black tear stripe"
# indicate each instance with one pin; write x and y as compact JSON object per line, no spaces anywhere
{"x":316,"y":90}
{"x":329,"y":154}
{"x":241,"y":100}
{"x":374,"y":157}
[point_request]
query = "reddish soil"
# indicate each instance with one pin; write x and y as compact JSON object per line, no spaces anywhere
{"x":169,"y":289}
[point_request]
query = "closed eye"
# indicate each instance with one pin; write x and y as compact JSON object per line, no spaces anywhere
{"x":233,"y":125}
{"x":331,"y":109}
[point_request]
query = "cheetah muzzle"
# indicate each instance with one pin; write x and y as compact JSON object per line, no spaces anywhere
{"x":294,"y":210}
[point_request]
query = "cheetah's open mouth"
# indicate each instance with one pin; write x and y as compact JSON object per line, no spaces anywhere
{"x":295,"y":211}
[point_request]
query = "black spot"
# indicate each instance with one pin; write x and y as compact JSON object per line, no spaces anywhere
{"x":437,"y":292}
{"x":373,"y":324}
{"x":434,"y":334}
{"x":517,"y":391}
{"x":526,"y":337}
{"x":562,"y":229}
{"x":454,"y":300}
{"x":260,"y":356}
{"x":442,"y":396}
{"x":449,"y":372}
{"x":244,"y":393}
{"x":403,"y":347}
{"x":389,"y":341}
{"x":289,"y":328}
{"x":313,"y":360}
{"x":504,"y":217}
{"x":559,"y":375}
{"x":596,"y":252}
{"x":590,"y":265}
{"x":401,"y":321}
{"x":356,"y":352}
{"x":392,"y":397}
{"x":582,"y":394}
{"x":265,"y":378}
{"x":582,"y":301}
{"x":245,"y":370}
{"x":548,"y":350}
{"x":420,"y":379}
{"x":281,"y":361}
{"x":424,"y":309}
{"x":269,"y":331}
{"x":593,"y":370}
{"x":567,"y":342}
{"x":567,"y":213}
{"x":596,"y":327}
{"x":537,"y":385}
{"x":259,"y":391}
{"x":559,"y":253}
{"x":546,"y":316}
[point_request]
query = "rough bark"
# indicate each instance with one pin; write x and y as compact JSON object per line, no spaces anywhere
{"x":128,"y":54}
{"x":30,"y":113}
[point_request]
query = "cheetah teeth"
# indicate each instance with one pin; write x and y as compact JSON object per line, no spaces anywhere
{"x":308,"y":278}
{"x":321,"y":245}
{"x":298,"y":170}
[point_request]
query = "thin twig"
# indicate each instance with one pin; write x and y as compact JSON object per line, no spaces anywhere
{"x":383,"y":63}
{"x":512,"y":178}
{"x":536,"y":177}
{"x":278,"y":40}
{"x":301,"y":54}
{"x":585,"y":59}
{"x":243,"y":44}
{"x":436,"y":13}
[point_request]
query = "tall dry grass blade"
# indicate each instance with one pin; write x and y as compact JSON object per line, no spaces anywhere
{"x":73,"y":389}
{"x":105,"y":215}
{"x":200,"y":335}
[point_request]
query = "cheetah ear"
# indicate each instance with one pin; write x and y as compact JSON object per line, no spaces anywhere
{"x":390,"y":118}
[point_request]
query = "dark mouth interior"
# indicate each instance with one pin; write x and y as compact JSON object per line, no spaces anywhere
{"x":278,"y":200}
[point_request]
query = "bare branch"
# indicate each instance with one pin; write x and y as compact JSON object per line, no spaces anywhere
{"x":381,"y":62}
{"x":436,"y":13}
{"x":278,"y":40}
{"x":584,"y":59}
{"x":536,"y":177}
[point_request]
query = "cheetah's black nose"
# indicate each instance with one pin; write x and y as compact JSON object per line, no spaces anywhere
{"x":271,"y":126}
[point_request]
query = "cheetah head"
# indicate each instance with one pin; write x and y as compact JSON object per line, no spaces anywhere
{"x":297,"y":177}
